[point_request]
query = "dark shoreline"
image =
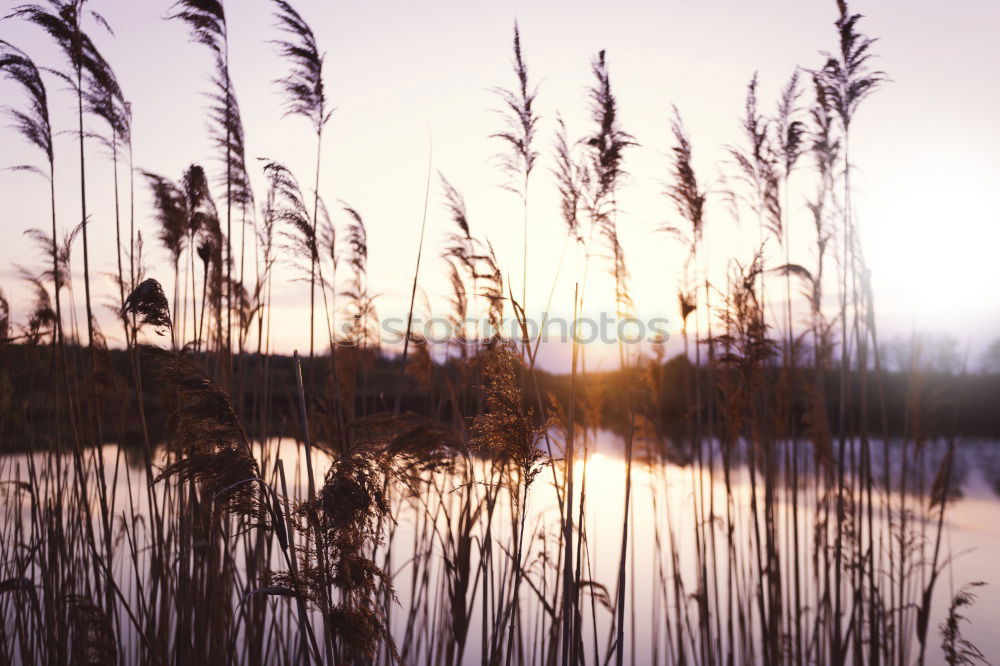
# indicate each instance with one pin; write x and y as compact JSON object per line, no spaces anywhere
{"x":949,"y":405}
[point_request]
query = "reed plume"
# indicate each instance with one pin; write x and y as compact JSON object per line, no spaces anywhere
{"x":228,"y":136}
{"x":206,"y":19}
{"x":757,"y":166}
{"x":790,"y":132}
{"x":958,"y":649}
{"x":460,"y":254}
{"x":361,"y":305}
{"x":606,"y":172}
{"x":114,"y":111}
{"x":201,"y":223}
{"x":510,"y":432}
{"x":488,"y":274}
{"x":149,"y":303}
{"x":846,"y":75}
{"x":34,"y":125}
{"x":343,"y":517}
{"x":569,"y":175}
{"x":517,"y":162}
{"x":41,"y":320}
{"x":305,"y":96}
{"x":683,"y":189}
{"x":689,"y":200}
{"x":170,"y":204}
{"x":286,"y":205}
{"x":608,"y":142}
{"x":61,"y":21}
{"x":303,"y":87}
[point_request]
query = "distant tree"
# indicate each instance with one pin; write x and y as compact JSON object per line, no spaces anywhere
{"x":990,"y":362}
{"x":935,"y":352}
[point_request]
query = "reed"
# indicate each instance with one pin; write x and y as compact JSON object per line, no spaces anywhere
{"x":520,"y":122}
{"x":306,"y":96}
{"x":61,"y":21}
{"x":447,"y":505}
{"x":33,"y":124}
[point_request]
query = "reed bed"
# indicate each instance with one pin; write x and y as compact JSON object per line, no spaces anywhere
{"x":437,"y":506}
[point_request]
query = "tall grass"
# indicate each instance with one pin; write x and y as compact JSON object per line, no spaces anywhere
{"x":439,"y":506}
{"x":520,"y":126}
{"x":306,"y":97}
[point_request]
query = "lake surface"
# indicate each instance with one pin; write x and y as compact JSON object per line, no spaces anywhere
{"x":661,"y":540}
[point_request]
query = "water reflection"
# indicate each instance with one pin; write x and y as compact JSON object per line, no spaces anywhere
{"x":662,"y":567}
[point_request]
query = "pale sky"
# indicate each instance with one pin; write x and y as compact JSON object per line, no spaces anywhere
{"x":926,"y":147}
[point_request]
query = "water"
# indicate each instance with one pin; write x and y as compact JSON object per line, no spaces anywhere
{"x":662,"y":517}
